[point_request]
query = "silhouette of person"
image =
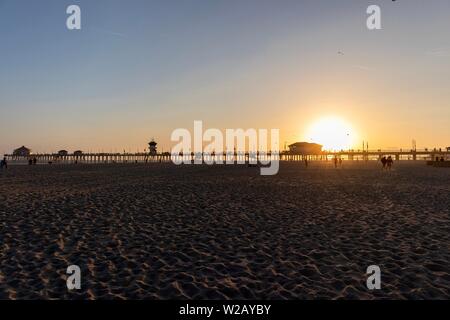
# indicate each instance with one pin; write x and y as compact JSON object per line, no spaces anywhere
{"x":384,"y":162}
{"x":390,"y":162}
{"x":306,"y":162}
{"x":30,"y":162}
{"x":335,"y":160}
{"x":340,"y":162}
{"x":34,"y":161}
{"x":4,"y":164}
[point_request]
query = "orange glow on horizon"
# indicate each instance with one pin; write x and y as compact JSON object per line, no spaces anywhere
{"x":333,"y":133}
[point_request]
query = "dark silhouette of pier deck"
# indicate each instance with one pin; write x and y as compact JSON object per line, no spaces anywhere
{"x":351,"y":155}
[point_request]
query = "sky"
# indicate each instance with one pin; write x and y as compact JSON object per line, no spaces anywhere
{"x":138,"y":69}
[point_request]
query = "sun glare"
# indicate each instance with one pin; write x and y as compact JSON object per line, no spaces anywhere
{"x":333,"y":133}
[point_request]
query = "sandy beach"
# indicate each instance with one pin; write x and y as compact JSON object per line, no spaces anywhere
{"x":158,"y":231}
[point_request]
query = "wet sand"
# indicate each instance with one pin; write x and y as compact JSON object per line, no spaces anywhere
{"x":158,"y":231}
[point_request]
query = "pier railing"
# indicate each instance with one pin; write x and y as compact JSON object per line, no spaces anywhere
{"x":247,"y":157}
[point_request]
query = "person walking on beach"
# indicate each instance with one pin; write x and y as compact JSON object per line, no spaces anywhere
{"x":384,"y":162}
{"x":306,"y":162}
{"x":4,"y":164}
{"x":335,"y":160}
{"x":389,"y":162}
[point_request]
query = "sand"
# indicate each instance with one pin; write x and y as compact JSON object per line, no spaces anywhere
{"x":158,"y":231}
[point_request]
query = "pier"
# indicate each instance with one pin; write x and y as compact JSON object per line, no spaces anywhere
{"x":352,"y":155}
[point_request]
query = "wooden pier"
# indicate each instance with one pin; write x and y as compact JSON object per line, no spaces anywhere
{"x":352,"y":155}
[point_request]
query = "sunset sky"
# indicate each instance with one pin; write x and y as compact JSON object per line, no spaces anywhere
{"x":140,"y":69}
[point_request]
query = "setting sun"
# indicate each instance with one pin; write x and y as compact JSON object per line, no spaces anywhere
{"x":333,"y":133}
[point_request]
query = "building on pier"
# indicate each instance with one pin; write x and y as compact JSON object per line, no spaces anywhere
{"x":152,"y":148}
{"x":305,"y":148}
{"x":63,"y":153}
{"x":22,"y":152}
